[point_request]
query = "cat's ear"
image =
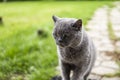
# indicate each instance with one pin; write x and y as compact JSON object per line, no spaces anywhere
{"x":77,"y":25}
{"x":55,"y":18}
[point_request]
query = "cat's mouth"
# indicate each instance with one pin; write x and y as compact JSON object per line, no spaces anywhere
{"x":62,"y":44}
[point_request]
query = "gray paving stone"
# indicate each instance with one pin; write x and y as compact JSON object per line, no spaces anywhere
{"x":94,"y":77}
{"x":97,"y":63}
{"x":110,"y":64}
{"x":117,"y":34}
{"x":113,"y":78}
{"x":118,"y":44}
{"x":116,"y":28}
{"x":103,"y":70}
{"x":115,"y":16}
{"x":105,"y":57}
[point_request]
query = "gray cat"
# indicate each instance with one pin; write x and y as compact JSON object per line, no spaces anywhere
{"x":76,"y":51}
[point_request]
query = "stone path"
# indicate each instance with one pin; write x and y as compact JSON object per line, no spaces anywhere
{"x":115,"y":20}
{"x":98,"y":30}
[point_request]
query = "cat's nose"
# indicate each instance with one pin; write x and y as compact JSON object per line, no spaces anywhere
{"x":60,"y":40}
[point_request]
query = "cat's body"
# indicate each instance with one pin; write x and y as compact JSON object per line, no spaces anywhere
{"x":75,"y":49}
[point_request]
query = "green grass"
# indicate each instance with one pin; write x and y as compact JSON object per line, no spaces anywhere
{"x":111,"y":32}
{"x":24,"y":54}
{"x":112,"y":35}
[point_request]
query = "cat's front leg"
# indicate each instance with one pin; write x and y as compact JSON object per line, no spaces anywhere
{"x":77,"y":75}
{"x":65,"y":71}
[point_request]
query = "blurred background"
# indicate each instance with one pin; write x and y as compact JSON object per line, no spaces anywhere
{"x":27,"y":48}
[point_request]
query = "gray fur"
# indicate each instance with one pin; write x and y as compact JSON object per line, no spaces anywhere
{"x":76,"y":51}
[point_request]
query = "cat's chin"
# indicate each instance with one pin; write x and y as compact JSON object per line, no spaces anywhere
{"x":62,"y":45}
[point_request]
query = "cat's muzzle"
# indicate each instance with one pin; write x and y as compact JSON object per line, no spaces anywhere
{"x":62,"y":44}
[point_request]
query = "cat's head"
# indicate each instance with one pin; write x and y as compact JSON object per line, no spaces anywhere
{"x":66,"y":30}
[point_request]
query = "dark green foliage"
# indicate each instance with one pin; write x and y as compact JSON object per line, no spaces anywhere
{"x":41,"y":33}
{"x":1,"y":20}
